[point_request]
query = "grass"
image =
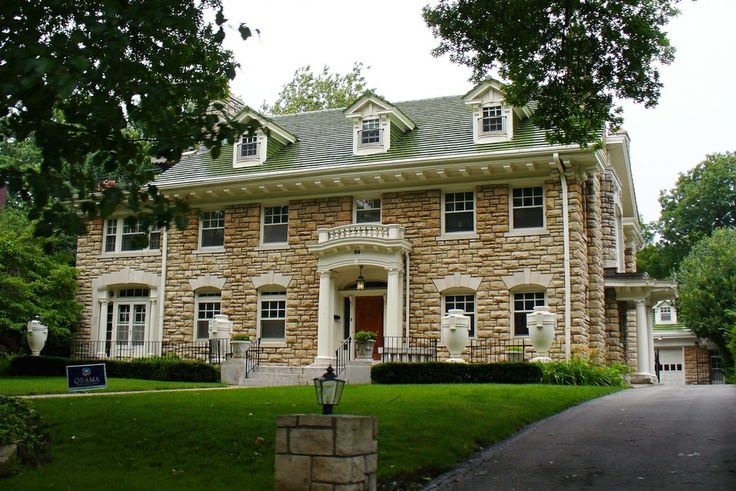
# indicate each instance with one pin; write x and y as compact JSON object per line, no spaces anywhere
{"x":225,"y":439}
{"x":12,"y":386}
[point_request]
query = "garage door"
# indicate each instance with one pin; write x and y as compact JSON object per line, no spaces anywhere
{"x":671,"y":369}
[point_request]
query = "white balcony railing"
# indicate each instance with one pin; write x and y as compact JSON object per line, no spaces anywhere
{"x":361,"y":231}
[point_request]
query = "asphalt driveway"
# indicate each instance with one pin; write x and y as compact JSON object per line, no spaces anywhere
{"x":655,"y":437}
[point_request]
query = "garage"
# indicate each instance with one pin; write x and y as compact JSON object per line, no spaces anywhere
{"x":671,"y":366}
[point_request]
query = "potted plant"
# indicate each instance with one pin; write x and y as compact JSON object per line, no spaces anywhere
{"x":240,"y":344}
{"x":364,"y":342}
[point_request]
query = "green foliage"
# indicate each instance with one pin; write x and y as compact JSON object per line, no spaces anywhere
{"x":365,"y":336}
{"x":706,"y":281}
{"x":33,"y":283}
{"x":20,"y":424}
{"x":578,"y":371}
{"x":105,"y":87}
{"x":310,"y":92}
{"x":456,"y":373}
{"x":152,"y":368}
{"x":574,"y":58}
{"x":240,"y":337}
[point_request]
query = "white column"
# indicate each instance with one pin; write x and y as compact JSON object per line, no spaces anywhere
{"x":393,"y":303}
{"x":650,"y":339}
{"x":325,"y":321}
{"x":105,"y":304}
{"x":642,"y":339}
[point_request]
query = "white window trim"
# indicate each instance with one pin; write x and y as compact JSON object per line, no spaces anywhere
{"x":199,"y":299}
{"x":210,"y":249}
{"x":527,"y":230}
{"x":251,"y":161}
{"x":278,"y":343}
{"x":384,"y":125}
{"x":472,"y":234}
{"x":273,"y":245}
{"x":513,"y":311}
{"x":119,"y":241}
{"x":507,"y":114}
{"x":355,"y":208}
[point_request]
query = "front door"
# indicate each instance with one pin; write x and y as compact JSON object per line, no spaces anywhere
{"x":369,"y":317}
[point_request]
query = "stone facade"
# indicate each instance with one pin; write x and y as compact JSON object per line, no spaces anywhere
{"x":697,"y":364}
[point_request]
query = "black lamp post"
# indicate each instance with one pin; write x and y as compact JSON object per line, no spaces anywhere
{"x":329,"y":390}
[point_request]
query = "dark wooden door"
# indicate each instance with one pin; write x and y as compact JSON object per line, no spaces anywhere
{"x":369,"y":317}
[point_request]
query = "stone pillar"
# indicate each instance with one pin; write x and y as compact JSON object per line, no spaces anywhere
{"x":325,"y":321}
{"x":393,"y":303}
{"x":643,"y":374}
{"x":326,"y":452}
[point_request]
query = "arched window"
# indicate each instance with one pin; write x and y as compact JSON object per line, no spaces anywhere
{"x":207,"y":304}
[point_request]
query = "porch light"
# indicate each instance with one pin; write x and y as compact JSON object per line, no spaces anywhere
{"x":360,"y":282}
{"x":329,"y":390}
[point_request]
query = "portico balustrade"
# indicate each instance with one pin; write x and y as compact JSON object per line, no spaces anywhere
{"x":361,"y":230}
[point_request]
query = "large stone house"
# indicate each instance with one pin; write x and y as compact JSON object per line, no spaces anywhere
{"x":383,"y":216}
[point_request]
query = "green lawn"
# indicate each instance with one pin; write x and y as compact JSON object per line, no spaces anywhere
{"x":225,"y":439}
{"x":57,"y":385}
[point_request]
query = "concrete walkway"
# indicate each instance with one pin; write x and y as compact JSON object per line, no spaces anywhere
{"x":655,"y":437}
{"x":122,"y":393}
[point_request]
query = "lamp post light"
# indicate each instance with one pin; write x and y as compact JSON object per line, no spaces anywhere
{"x":329,"y":390}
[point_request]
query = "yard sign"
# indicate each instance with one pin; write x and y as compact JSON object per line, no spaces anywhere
{"x":86,"y":377}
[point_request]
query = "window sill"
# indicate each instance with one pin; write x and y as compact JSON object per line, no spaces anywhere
{"x":273,"y":344}
{"x":521,"y":232}
{"x":209,"y":250}
{"x":247,"y":163}
{"x":105,"y":255}
{"x":458,"y":236}
{"x":273,"y":247}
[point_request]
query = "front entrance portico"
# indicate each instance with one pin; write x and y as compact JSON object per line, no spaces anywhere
{"x":381,"y":250}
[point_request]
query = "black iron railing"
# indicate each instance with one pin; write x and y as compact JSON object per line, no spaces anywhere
{"x":492,"y":350}
{"x":343,"y":355}
{"x":408,"y":349}
{"x":253,"y":357}
{"x":210,"y":351}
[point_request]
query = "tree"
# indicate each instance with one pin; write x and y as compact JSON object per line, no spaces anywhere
{"x":310,"y":92}
{"x":33,"y":283}
{"x":103,"y":88}
{"x":706,"y":280}
{"x":572,"y":57}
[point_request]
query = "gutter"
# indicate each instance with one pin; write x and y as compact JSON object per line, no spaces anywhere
{"x":162,"y":290}
{"x":566,"y":253}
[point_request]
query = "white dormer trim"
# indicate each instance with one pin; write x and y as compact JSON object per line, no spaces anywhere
{"x":266,"y":130}
{"x":488,"y":95}
{"x":390,"y":118}
{"x":251,"y":160}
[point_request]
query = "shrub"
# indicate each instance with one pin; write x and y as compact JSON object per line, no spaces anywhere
{"x":152,"y":368}
{"x":365,"y":336}
{"x":20,"y":424}
{"x":581,"y":372}
{"x":240,"y":337}
{"x":456,"y":373}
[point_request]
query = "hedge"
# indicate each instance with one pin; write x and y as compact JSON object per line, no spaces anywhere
{"x":456,"y":373}
{"x":153,"y":368}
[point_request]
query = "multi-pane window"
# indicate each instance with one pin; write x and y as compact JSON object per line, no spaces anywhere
{"x":248,"y":148}
{"x":371,"y":132}
{"x":492,"y":120}
{"x":272,"y":315}
{"x":275,"y":224}
{"x":208,"y":306}
{"x":212,"y":229}
{"x":130,"y":317}
{"x":367,"y":211}
{"x":524,"y":303}
{"x":665,"y":313}
{"x":459,"y":212}
{"x":127,"y":234}
{"x":528,"y":207}
{"x":466,"y":303}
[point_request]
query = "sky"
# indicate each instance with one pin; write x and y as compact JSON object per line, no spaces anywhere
{"x":696,"y":114}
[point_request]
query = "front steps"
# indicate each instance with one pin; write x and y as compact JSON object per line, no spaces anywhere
{"x":233,"y":373}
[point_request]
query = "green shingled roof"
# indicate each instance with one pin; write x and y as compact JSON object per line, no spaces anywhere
{"x":444,"y":128}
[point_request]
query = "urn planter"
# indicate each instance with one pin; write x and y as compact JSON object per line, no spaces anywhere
{"x":455,"y":326}
{"x":240,"y":348}
{"x":541,"y":325}
{"x":364,"y":349}
{"x":37,"y":335}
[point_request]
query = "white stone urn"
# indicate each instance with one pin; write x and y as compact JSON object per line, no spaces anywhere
{"x":37,"y":335}
{"x":240,"y":347}
{"x":455,"y":327}
{"x":220,"y":327}
{"x":541,"y":324}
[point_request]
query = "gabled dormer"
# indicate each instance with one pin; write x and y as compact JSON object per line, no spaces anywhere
{"x":376,"y":123}
{"x":264,"y":138}
{"x":493,"y":118}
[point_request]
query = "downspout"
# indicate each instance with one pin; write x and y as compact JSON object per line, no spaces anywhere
{"x":406,"y":296}
{"x":566,"y":253}
{"x":162,"y":290}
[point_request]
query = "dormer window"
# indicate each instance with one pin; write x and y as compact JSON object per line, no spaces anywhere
{"x":262,"y":138}
{"x":493,"y":120}
{"x":248,"y":148}
{"x":371,"y":132}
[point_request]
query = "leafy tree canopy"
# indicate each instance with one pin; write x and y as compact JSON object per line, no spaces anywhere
{"x":706,"y":280}
{"x":571,"y":56}
{"x":103,"y":88}
{"x":310,"y":92}
{"x":33,"y":283}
